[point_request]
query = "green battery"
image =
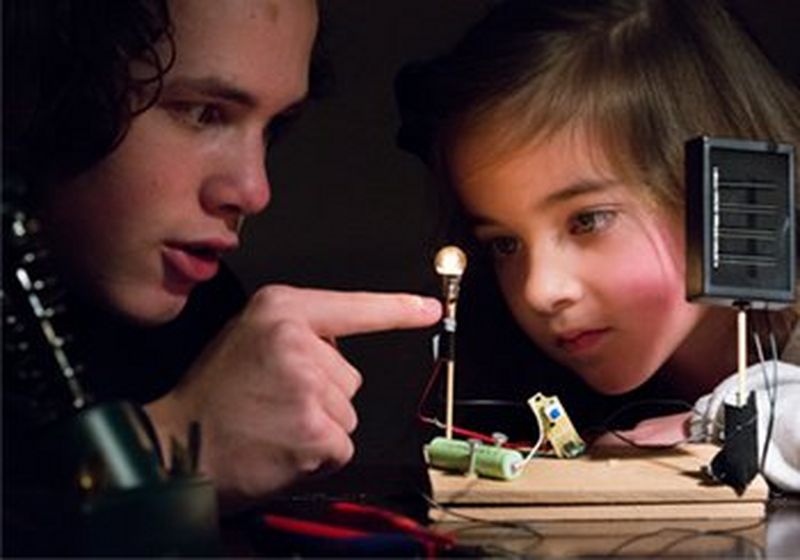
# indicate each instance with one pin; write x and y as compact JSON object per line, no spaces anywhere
{"x":486,"y":460}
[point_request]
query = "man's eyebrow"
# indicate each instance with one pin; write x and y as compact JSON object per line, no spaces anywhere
{"x":220,"y":89}
{"x":213,"y":87}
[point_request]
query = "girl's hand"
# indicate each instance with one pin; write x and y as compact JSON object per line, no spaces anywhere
{"x":657,"y":432}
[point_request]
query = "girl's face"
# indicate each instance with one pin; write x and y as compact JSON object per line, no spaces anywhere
{"x":140,"y":229}
{"x":591,"y":272}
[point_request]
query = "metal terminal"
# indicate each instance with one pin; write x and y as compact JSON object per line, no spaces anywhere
{"x":473,"y":456}
{"x":499,"y":438}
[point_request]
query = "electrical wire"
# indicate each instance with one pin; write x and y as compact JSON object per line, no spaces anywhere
{"x":609,"y":420}
{"x":465,"y":432}
{"x":489,"y":402}
{"x":772,"y":393}
{"x":521,"y":466}
{"x":517,"y":526}
{"x":729,"y":534}
{"x":692,"y":534}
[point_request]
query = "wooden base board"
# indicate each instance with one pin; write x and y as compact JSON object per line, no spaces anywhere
{"x":610,"y":483}
{"x":707,"y":510}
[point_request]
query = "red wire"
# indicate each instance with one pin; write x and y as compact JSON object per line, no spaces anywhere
{"x":434,"y":374}
{"x":456,"y":429}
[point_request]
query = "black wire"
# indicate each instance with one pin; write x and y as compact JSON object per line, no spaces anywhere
{"x":693,"y":534}
{"x":491,"y":549}
{"x":609,"y":420}
{"x":772,"y":392}
{"x":726,"y":533}
{"x":773,"y":353}
{"x":518,"y":526}
{"x":773,"y":395}
{"x":488,"y":402}
{"x":645,"y":402}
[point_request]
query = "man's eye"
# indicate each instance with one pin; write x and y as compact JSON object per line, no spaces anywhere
{"x":502,"y":246}
{"x":591,"y":221}
{"x":199,"y":114}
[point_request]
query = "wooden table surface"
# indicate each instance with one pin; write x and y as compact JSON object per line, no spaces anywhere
{"x":617,"y":502}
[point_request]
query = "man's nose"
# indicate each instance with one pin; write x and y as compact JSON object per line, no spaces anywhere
{"x":240,"y":185}
{"x":553,"y":281}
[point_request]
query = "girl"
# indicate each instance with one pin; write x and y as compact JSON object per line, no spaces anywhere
{"x":560,"y":126}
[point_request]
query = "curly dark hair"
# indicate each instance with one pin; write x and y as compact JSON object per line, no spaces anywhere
{"x":67,"y":89}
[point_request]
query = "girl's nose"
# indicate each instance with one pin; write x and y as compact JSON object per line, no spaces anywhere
{"x":553,"y":282}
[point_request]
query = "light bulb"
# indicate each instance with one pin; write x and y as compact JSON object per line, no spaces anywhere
{"x":450,"y":261}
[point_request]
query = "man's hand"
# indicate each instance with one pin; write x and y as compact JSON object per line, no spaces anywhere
{"x":271,"y":392}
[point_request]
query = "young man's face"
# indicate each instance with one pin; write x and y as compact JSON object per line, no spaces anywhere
{"x":147,"y":224}
{"x":593,"y":274}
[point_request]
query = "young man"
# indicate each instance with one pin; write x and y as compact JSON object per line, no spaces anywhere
{"x":139,"y":130}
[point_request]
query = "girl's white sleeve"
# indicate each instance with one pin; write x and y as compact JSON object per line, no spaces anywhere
{"x":771,"y":380}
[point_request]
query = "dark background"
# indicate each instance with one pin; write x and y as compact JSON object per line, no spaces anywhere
{"x":351,"y":211}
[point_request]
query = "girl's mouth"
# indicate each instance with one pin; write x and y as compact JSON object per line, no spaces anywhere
{"x":581,"y":341}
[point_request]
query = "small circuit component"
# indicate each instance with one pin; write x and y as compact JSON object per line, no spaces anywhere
{"x":556,"y":426}
{"x":474,"y":457}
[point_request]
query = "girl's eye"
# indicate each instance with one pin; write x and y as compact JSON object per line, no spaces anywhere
{"x":502,"y":246}
{"x":591,"y":221}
